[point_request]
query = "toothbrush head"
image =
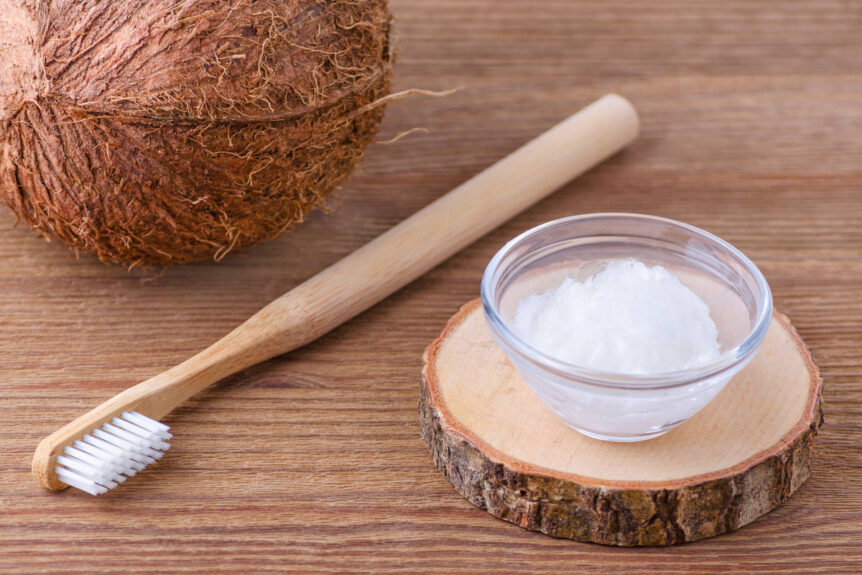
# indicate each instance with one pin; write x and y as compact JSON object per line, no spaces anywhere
{"x":113,"y":452}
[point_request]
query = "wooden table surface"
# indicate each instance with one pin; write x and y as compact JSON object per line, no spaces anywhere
{"x":752,"y":129}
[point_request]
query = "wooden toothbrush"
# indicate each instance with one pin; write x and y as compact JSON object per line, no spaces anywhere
{"x":115,"y":440}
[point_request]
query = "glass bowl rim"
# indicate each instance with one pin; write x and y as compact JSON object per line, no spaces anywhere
{"x":728,"y":359}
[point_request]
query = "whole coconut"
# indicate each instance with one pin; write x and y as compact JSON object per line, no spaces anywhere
{"x":165,"y":131}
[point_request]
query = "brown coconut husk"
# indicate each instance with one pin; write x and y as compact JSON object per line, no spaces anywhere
{"x":165,"y":131}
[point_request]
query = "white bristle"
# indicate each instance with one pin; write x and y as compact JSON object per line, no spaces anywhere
{"x":112,"y":453}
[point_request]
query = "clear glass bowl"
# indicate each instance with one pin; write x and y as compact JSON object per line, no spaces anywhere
{"x":613,"y":406}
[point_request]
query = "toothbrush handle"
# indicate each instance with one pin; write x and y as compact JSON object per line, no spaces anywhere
{"x":378,"y":269}
{"x":435,"y":233}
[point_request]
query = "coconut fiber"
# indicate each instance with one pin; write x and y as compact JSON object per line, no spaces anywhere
{"x":166,"y":131}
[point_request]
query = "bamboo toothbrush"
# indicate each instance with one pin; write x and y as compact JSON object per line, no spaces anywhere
{"x":117,"y":439}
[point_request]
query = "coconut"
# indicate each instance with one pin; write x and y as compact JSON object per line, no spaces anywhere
{"x":166,"y":131}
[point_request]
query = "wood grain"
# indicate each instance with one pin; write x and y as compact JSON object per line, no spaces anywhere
{"x":751,"y":118}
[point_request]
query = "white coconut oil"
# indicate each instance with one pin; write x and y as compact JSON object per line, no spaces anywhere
{"x":629,"y":318}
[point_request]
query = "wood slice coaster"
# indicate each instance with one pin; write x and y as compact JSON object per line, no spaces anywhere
{"x":504,"y":451}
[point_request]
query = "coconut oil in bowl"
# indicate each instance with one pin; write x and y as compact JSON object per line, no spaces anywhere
{"x":625,"y":325}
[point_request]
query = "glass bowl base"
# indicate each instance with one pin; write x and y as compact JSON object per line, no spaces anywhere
{"x":621,"y":438}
